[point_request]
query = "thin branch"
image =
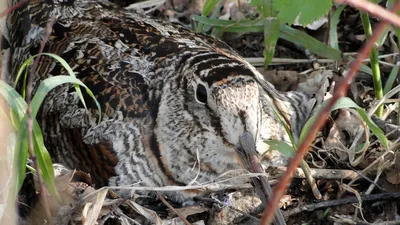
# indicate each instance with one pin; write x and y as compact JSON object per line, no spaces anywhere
{"x":343,"y":86}
{"x":343,"y":201}
{"x":374,"y":9}
{"x":13,"y":8}
{"x":172,"y":208}
{"x":29,"y":122}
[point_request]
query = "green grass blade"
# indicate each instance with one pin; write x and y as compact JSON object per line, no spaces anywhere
{"x":308,"y":42}
{"x":267,"y":9}
{"x":333,"y":37}
{"x":50,"y":83}
{"x":282,"y":147}
{"x":344,"y":103}
{"x":271,"y":35}
{"x":77,"y":88}
{"x":376,"y":73}
{"x":70,"y":72}
{"x":17,"y":109}
{"x":373,"y":127}
{"x":209,"y":5}
{"x":18,"y":105}
{"x":286,"y":32}
{"x":22,"y":69}
{"x":392,"y":78}
{"x":240,"y":26}
{"x":44,"y":88}
{"x":363,"y":68}
{"x":14,"y":100}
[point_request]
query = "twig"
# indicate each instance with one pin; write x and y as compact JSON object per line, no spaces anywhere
{"x":392,"y":130}
{"x":374,"y":9}
{"x":342,"y":88}
{"x":29,"y":122}
{"x":327,"y":174}
{"x":248,"y":157}
{"x":13,"y":8}
{"x":172,"y":208}
{"x":369,"y":180}
{"x":259,"y":61}
{"x":331,"y":203}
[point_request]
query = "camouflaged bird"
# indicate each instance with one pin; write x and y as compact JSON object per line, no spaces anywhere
{"x":174,"y":102}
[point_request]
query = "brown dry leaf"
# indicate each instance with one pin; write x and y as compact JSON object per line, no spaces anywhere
{"x":231,"y":10}
{"x":393,"y":173}
{"x":335,"y":141}
{"x":393,"y":176}
{"x":91,"y":210}
{"x":365,"y":92}
{"x":237,"y":10}
{"x":343,"y":133}
{"x":147,"y":213}
{"x":153,"y":218}
{"x":191,"y":210}
{"x":61,"y":208}
{"x":282,"y":80}
{"x":183,"y":7}
{"x":316,"y":84}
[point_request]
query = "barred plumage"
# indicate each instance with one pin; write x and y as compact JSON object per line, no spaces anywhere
{"x":172,"y":100}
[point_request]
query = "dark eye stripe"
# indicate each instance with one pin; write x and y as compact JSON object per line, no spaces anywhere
{"x":202,"y":58}
{"x":221,"y":73}
{"x":213,"y":63}
{"x":189,"y":58}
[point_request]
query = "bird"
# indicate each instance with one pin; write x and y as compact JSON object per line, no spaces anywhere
{"x":174,"y":102}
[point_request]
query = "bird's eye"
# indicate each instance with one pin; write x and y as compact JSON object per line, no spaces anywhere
{"x":201,"y":94}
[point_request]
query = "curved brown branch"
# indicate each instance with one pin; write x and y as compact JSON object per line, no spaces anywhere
{"x":375,"y":10}
{"x":13,"y":8}
{"x":343,"y":86}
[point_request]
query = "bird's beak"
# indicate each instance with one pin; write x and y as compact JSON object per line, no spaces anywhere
{"x":245,"y":150}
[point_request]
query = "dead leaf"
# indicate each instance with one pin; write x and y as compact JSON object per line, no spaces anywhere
{"x":316,"y":84}
{"x":191,"y":210}
{"x":393,"y":176}
{"x":147,"y":213}
{"x":91,"y":211}
{"x":393,"y":172}
{"x":343,"y":133}
{"x":282,"y":80}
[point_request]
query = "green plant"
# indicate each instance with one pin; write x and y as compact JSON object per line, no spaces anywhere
{"x":18,"y":116}
{"x":307,"y":11}
{"x":389,"y":5}
{"x":376,"y":74}
{"x":273,"y":16}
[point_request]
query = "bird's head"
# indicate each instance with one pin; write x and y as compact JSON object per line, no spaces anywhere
{"x":203,"y":113}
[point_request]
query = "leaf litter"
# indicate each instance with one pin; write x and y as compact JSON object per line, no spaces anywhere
{"x":343,"y":152}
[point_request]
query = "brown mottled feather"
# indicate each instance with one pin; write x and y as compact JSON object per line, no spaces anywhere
{"x":173,"y":102}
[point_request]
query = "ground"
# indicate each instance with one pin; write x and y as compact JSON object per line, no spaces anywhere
{"x":342,"y":174}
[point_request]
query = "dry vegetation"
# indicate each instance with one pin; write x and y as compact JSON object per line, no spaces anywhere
{"x":357,"y":178}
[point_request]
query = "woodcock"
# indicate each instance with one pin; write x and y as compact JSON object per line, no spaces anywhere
{"x":174,"y":102}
